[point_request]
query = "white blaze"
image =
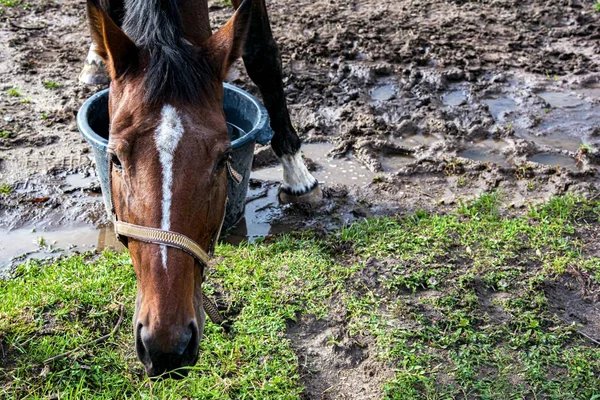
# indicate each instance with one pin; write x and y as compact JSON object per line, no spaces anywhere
{"x":167,"y":138}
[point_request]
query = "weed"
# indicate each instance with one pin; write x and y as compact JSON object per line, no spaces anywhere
{"x":5,"y":189}
{"x":584,"y":148}
{"x":5,"y":134}
{"x":597,"y":7}
{"x":453,"y":167}
{"x":13,"y":92}
{"x":51,"y":85}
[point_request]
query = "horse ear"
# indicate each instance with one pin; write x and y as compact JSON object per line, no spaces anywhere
{"x":225,"y":46}
{"x":112,"y":44}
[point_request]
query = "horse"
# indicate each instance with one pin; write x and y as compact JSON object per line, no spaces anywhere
{"x":169,"y":150}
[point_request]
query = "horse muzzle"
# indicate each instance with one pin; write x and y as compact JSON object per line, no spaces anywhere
{"x":166,"y":351}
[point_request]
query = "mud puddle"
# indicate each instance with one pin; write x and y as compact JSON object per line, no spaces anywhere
{"x":22,"y":244}
{"x":260,"y":217}
{"x":555,"y":160}
{"x":383,"y":93}
{"x":486,"y":151}
{"x":454,"y":98}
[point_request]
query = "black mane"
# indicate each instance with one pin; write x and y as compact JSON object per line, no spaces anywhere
{"x":176,"y":70}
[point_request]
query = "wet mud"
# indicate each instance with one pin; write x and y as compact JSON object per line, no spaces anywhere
{"x":402,"y":106}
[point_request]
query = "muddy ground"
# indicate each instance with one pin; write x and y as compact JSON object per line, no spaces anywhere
{"x":419,"y":103}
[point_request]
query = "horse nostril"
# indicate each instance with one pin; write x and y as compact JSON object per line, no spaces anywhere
{"x":184,"y":341}
{"x":191,"y":350}
{"x":139,"y":343}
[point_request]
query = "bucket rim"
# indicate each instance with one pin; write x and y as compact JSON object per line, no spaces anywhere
{"x":261,"y":131}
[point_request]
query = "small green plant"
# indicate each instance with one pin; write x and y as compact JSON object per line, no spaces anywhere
{"x":461,"y":181}
{"x":25,"y":100}
{"x":597,"y":7}
{"x":547,"y":110}
{"x":10,"y":3}
{"x":453,"y":167}
{"x":225,"y":3}
{"x":584,"y":149}
{"x":52,"y":85}
{"x":5,"y":189}
{"x":13,"y":92}
{"x":44,"y":116}
{"x":4,"y":134}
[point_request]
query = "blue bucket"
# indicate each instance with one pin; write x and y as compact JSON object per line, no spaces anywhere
{"x":247,"y":121}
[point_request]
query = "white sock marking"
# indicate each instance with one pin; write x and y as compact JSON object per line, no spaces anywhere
{"x":296,"y":178}
{"x":167,"y":137}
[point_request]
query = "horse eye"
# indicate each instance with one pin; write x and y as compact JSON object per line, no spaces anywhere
{"x":115,"y":161}
{"x":223,"y":160}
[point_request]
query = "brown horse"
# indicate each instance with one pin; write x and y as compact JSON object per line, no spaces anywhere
{"x":169,"y":146}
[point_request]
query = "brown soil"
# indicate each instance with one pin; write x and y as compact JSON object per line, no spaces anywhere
{"x":377,"y":79}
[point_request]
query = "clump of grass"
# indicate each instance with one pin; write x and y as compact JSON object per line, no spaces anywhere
{"x":51,"y":85}
{"x":5,"y":188}
{"x":597,"y":6}
{"x":10,"y":3}
{"x":14,"y":92}
{"x":5,"y":134}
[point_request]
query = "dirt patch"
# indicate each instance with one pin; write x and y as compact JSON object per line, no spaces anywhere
{"x":489,"y":301}
{"x":333,"y":364}
{"x":568,"y":300}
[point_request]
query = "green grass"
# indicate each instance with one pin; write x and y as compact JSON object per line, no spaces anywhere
{"x":51,"y":85}
{"x":455,"y":304}
{"x":5,"y":134}
{"x":14,"y":92}
{"x":5,"y":188}
{"x":10,"y":3}
{"x":597,"y":6}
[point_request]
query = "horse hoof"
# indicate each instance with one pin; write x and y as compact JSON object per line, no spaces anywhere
{"x":312,"y":197}
{"x":92,"y":74}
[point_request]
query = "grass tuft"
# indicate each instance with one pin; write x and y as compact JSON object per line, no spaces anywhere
{"x":51,"y":85}
{"x":14,"y":92}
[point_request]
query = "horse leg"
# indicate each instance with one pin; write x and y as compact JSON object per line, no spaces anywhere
{"x":263,"y":63}
{"x":93,"y":71}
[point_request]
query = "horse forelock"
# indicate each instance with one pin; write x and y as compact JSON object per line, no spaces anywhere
{"x":176,"y":70}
